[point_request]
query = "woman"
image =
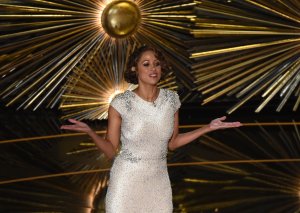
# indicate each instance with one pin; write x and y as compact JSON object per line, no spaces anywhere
{"x":145,"y":120}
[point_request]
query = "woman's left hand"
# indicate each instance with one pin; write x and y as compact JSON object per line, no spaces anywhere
{"x":219,"y":124}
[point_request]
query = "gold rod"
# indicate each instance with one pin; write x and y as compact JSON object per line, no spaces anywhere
{"x":41,"y":9}
{"x":104,"y":131}
{"x":238,"y":48}
{"x":234,"y":162}
{"x":169,"y":165}
{"x":47,"y":137}
{"x":274,"y":11}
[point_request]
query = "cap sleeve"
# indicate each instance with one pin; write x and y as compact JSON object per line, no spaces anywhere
{"x":117,"y":103}
{"x":177,"y":102}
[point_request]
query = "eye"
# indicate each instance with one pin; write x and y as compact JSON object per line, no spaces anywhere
{"x":146,"y":64}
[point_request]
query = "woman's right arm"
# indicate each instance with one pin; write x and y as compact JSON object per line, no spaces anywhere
{"x":109,"y":144}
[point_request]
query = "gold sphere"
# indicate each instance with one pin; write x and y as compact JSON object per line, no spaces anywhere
{"x":120,"y":18}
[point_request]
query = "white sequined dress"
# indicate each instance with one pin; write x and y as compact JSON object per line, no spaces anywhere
{"x":139,"y":180}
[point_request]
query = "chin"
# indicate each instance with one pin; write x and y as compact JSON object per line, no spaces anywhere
{"x":151,"y":82}
{"x":154,"y":83}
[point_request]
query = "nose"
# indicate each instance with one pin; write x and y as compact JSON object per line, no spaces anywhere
{"x":153,"y":67}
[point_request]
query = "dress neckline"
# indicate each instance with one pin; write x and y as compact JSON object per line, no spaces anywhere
{"x":149,"y":102}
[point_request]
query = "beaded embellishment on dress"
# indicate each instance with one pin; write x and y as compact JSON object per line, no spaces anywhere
{"x":139,"y":180}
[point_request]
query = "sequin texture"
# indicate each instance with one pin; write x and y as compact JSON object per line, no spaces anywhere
{"x":139,"y":180}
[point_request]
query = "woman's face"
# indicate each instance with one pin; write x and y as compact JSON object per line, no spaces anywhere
{"x":148,"y":68}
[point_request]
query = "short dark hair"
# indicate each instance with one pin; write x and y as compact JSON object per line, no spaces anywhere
{"x":130,"y":76}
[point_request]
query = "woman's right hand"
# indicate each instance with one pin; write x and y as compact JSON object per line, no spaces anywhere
{"x":77,"y":126}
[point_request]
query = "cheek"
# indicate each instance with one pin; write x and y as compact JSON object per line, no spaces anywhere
{"x":142,"y":68}
{"x":142,"y":73}
{"x":159,"y":71}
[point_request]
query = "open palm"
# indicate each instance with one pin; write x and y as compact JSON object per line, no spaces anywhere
{"x":219,"y":124}
{"x":76,"y":126}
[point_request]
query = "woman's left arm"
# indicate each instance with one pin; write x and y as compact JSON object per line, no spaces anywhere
{"x":179,"y":140}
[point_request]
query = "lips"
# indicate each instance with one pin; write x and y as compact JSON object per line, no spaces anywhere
{"x":153,"y":75}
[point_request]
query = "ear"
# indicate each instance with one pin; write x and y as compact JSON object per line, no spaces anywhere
{"x":133,"y":69}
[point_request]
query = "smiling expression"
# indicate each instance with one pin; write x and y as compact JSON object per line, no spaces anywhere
{"x":148,"y":68}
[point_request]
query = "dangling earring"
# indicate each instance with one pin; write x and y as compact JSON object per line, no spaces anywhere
{"x":134,"y":70}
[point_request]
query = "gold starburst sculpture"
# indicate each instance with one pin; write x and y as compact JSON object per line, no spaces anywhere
{"x":248,"y":49}
{"x":238,"y":50}
{"x":75,"y":52}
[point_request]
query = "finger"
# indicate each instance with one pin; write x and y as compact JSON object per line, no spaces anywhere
{"x":67,"y":126}
{"x":232,"y":124}
{"x":222,"y":118}
{"x":72,"y":128}
{"x":73,"y":120}
{"x":63,"y":126}
{"x":236,"y":123}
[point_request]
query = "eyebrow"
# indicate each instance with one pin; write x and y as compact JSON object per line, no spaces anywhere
{"x":148,"y":60}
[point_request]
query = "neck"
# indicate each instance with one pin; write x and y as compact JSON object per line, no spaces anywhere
{"x":149,"y":93}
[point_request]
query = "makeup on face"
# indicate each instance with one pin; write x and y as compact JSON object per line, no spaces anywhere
{"x":149,"y":66}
